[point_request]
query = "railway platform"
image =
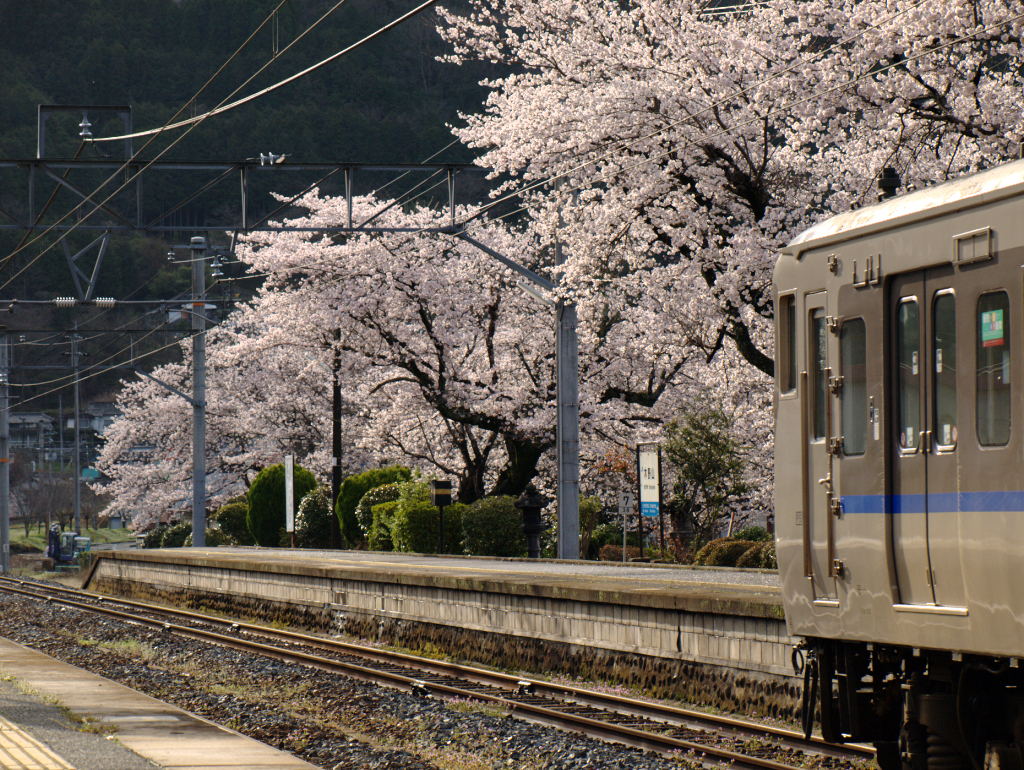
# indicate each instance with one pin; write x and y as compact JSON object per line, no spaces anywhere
{"x":721,"y":631}
{"x":54,"y":716}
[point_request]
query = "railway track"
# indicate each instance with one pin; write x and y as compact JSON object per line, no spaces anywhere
{"x":647,"y":725}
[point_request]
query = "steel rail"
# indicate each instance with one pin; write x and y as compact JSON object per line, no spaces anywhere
{"x":509,"y":687}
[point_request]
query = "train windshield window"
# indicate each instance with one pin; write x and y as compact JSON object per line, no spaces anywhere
{"x":908,"y":385}
{"x":819,"y":378}
{"x":944,"y":356}
{"x":853,"y":398}
{"x":993,"y":374}
{"x":787,"y":344}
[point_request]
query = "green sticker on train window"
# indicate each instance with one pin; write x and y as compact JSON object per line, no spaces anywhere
{"x":992,"y":328}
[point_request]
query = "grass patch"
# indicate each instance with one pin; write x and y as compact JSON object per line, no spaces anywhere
{"x":466,"y":706}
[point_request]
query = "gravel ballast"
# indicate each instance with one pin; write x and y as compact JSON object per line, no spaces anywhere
{"x":326,"y":719}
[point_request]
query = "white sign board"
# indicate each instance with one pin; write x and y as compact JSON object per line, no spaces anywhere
{"x":289,"y":493}
{"x":650,"y":482}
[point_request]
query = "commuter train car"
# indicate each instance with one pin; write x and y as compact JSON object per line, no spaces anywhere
{"x":899,"y":470}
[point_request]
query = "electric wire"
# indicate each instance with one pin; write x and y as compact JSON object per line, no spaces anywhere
{"x":112,"y":177}
{"x":191,"y":127}
{"x":846,"y":84}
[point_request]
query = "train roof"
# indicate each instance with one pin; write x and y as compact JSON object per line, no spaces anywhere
{"x":968,"y":191}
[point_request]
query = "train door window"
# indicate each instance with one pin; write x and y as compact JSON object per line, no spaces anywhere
{"x":853,"y":396}
{"x":993,"y":372}
{"x":944,"y":357}
{"x":908,"y":385}
{"x":818,"y":375}
{"x":787,"y":343}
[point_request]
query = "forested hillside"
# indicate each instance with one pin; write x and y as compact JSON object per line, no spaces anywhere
{"x":389,"y":101}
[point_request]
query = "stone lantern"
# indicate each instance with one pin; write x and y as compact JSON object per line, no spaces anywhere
{"x":530,"y":504}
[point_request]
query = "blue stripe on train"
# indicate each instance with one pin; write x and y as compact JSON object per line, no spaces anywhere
{"x":944,"y":502}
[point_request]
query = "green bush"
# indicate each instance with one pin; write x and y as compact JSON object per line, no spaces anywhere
{"x":313,"y":520}
{"x":232,"y":520}
{"x":214,"y":537}
{"x":722,"y":552}
{"x":352,"y":491}
{"x":175,"y":536}
{"x":754,"y":533}
{"x":380,"y":528}
{"x":604,"y":534}
{"x":493,"y":526}
{"x":751,"y":558}
{"x":768,"y":558}
{"x":387,"y":493}
{"x":266,"y":516}
{"x":415,"y":527}
{"x":154,"y":537}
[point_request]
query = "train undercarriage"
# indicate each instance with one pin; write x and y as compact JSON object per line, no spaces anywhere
{"x":922,"y":709}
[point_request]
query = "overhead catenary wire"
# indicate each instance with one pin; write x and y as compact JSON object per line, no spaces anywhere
{"x":846,"y":84}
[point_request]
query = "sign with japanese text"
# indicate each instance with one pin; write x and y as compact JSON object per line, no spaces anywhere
{"x":650,"y":481}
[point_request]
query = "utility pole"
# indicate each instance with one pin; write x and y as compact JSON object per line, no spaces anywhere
{"x":336,"y":440}
{"x":568,"y":429}
{"x":78,"y":411}
{"x":198,"y":392}
{"x":5,"y":458}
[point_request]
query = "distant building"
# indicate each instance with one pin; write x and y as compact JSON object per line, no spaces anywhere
{"x":31,"y":430}
{"x":97,"y":417}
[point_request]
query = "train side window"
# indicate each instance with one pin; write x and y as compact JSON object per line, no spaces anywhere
{"x":818,"y":376}
{"x":908,"y":384}
{"x":993,"y":372}
{"x":787,"y":343}
{"x":944,"y":357}
{"x":853,"y":396}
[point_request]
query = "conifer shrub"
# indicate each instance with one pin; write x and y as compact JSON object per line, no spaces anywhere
{"x":493,"y":526}
{"x":266,"y":515}
{"x":352,"y":491}
{"x":380,"y":528}
{"x":231,"y":517}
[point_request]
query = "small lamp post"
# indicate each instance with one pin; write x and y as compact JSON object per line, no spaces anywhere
{"x":530,"y":504}
{"x":440,"y":496}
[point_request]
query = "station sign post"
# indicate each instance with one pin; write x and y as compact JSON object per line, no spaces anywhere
{"x":648,"y":462}
{"x":289,"y":496}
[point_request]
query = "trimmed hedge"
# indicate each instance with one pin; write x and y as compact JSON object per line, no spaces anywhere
{"x":174,"y":537}
{"x":387,"y":493}
{"x":266,"y":516}
{"x":313,"y":520}
{"x":214,"y":537}
{"x":154,"y":537}
{"x":380,"y":529}
{"x":493,"y":526}
{"x":232,"y":520}
{"x":352,"y":491}
{"x":753,"y":533}
{"x":415,"y":527}
{"x":723,"y":552}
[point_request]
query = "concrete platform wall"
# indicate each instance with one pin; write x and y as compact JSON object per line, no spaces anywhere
{"x":718,"y":650}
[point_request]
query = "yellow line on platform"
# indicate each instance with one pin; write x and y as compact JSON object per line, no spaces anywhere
{"x":20,"y":751}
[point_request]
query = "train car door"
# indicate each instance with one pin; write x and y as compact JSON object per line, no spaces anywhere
{"x":818,"y":493}
{"x":924,"y":485}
